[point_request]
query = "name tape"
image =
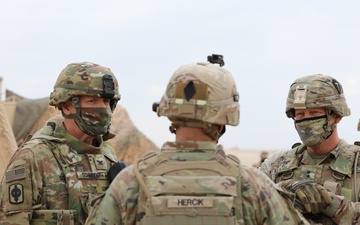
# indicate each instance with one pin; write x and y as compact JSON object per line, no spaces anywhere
{"x":189,"y":202}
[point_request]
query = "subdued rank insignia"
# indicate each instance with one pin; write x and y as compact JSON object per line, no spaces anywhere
{"x":16,"y":193}
{"x":100,"y":162}
{"x":232,"y":211}
{"x":189,"y":90}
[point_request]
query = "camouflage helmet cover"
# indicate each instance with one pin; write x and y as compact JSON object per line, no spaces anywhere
{"x":84,"y":78}
{"x":201,"y":92}
{"x":317,"y":91}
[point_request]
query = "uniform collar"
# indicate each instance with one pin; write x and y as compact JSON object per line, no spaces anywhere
{"x":192,"y":150}
{"x":333,"y":153}
{"x":190,"y":146}
{"x":77,"y":145}
{"x":55,"y":130}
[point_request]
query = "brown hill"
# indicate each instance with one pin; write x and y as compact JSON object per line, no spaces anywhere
{"x":7,"y":140}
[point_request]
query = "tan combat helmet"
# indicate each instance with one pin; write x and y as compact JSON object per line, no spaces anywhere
{"x":200,"y":95}
{"x":85,"y":78}
{"x":264,"y":155}
{"x":317,"y":91}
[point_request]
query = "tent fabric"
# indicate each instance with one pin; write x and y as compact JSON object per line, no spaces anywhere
{"x":7,"y":140}
{"x":10,"y":95}
{"x":27,"y":113}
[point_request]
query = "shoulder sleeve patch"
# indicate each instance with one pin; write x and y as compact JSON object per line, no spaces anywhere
{"x":16,"y":193}
{"x":17,"y":190}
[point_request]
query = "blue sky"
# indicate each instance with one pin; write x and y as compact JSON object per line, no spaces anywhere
{"x":266,"y":45}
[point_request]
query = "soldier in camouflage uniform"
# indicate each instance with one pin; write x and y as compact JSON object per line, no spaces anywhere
{"x":192,"y":180}
{"x":263,"y":156}
{"x":317,"y":104}
{"x":54,"y":176}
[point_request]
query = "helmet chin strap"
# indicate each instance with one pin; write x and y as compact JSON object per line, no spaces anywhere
{"x":208,"y":128}
{"x":329,"y":128}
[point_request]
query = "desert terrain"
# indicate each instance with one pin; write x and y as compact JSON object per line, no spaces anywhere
{"x":247,"y":157}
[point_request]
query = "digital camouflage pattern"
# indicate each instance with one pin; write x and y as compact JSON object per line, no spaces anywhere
{"x":85,"y":78}
{"x":54,"y":175}
{"x":335,"y":172}
{"x":201,"y":92}
{"x":317,"y":91}
{"x":249,"y":197}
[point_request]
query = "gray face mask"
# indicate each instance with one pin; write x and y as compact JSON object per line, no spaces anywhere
{"x":313,"y":131}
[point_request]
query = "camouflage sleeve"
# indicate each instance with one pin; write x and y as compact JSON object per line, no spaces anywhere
{"x":342,"y":211}
{"x":350,"y":215}
{"x":268,"y":164}
{"x":119,"y":206}
{"x":20,"y":188}
{"x":262,"y":203}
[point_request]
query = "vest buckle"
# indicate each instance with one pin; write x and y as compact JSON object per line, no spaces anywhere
{"x":338,"y":176}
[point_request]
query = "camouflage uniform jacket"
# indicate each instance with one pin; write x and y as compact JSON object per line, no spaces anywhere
{"x":256,"y":201}
{"x":335,"y":172}
{"x":54,"y":171}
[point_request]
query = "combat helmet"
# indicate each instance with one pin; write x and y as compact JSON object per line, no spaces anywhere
{"x":85,"y":78}
{"x":200,"y":95}
{"x":317,"y":91}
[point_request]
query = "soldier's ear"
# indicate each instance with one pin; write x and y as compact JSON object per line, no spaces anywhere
{"x":337,"y":118}
{"x":220,"y":128}
{"x":66,"y":108}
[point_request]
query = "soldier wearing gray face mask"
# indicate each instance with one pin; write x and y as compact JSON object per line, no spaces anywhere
{"x":316,"y":103}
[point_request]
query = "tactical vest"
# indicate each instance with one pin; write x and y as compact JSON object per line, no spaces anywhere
{"x":188,"y":192}
{"x":82,"y":178}
{"x":86,"y":179}
{"x":338,"y":176}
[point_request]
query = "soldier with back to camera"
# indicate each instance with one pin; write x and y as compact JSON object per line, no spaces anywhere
{"x":317,"y":104}
{"x":192,"y":180}
{"x":55,"y":175}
